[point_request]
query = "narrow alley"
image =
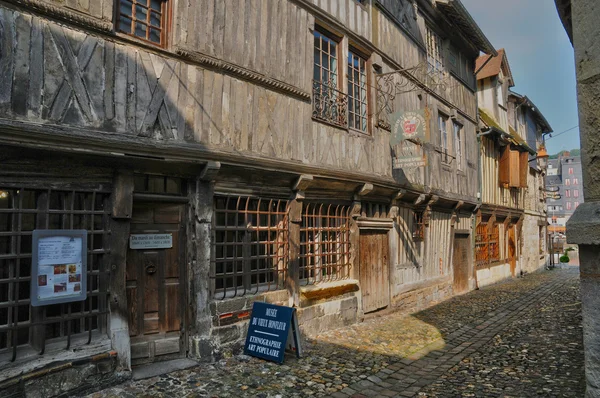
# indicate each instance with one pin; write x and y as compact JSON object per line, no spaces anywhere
{"x":521,"y":338}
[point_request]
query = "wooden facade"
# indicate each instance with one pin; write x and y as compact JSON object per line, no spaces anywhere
{"x":214,"y":136}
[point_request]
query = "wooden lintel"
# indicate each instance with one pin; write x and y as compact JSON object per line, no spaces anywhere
{"x":365,"y":189}
{"x":420,"y":199}
{"x":210,"y":171}
{"x":303,"y":182}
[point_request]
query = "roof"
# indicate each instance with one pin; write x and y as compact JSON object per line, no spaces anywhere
{"x":553,"y":180}
{"x":512,"y":136}
{"x":460,"y":17}
{"x":487,"y":69}
{"x":540,"y":118}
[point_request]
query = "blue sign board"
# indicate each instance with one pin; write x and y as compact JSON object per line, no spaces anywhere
{"x":270,"y":326}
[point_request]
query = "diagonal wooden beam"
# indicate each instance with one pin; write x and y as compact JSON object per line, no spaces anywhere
{"x":158,"y":98}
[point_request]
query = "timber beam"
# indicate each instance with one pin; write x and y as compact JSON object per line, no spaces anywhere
{"x":210,"y":171}
{"x":303,"y":182}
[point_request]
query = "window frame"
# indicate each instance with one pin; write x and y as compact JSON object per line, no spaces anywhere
{"x":458,"y":147}
{"x":165,"y":23}
{"x":443,"y":134}
{"x":435,"y":47}
{"x":567,"y":181}
{"x":352,"y":51}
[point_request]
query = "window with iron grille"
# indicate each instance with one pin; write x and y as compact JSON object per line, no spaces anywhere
{"x":435,"y":54}
{"x":418,"y":231}
{"x":144,"y":19}
{"x":329,"y":103}
{"x":324,"y":243}
{"x":250,"y":245}
{"x":357,"y":92}
{"x":25,"y":329}
{"x":487,"y":243}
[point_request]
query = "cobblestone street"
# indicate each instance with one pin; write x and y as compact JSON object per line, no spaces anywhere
{"x":521,"y":338}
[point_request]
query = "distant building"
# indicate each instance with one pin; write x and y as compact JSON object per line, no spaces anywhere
{"x":566,"y":174}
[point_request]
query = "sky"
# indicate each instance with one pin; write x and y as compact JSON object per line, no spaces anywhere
{"x":540,"y":56}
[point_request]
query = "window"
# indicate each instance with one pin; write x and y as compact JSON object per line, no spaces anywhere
{"x":513,"y":168}
{"x":461,"y":66}
{"x":568,"y":205}
{"x":575,"y":181}
{"x":576,"y":204}
{"x":442,"y":120}
{"x":144,"y":19}
{"x":487,"y":247}
{"x":24,"y":328}
{"x":568,"y":193}
{"x":570,"y":170}
{"x":458,"y":145}
{"x":567,"y":182}
{"x":329,"y":104}
{"x":418,"y":230}
{"x":250,"y":245}
{"x":576,"y":193}
{"x":435,"y":54}
{"x":357,"y":92}
{"x":500,"y":93}
{"x":324,"y":243}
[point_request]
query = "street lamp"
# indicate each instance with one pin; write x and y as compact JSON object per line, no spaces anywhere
{"x":542,"y":157}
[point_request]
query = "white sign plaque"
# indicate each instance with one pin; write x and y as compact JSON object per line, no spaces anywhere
{"x":59,"y":266}
{"x":150,"y":241}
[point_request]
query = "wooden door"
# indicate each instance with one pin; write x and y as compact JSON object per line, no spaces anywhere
{"x":460,"y":263}
{"x":512,"y":250}
{"x":155,"y":285}
{"x":374,"y":270}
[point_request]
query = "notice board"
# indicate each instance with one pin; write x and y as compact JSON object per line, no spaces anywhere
{"x":272,"y":329}
{"x":59,"y":266}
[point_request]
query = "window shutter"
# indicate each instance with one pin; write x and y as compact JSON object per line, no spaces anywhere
{"x":514,"y":169}
{"x":524,"y":161}
{"x":504,"y":167}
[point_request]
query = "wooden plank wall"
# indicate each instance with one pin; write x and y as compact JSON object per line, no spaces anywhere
{"x":270,"y":37}
{"x":52,"y":77}
{"x":492,"y":193}
{"x":350,"y":13}
{"x":420,"y":261}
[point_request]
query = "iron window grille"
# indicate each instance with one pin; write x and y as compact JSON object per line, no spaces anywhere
{"x":144,"y":19}
{"x":250,"y":245}
{"x":357,"y":92}
{"x":25,"y":329}
{"x":418,"y":230}
{"x":324,"y":243}
{"x":487,"y":243}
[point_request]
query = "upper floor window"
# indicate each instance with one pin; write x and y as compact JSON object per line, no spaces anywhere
{"x":144,"y":19}
{"x":575,"y":181}
{"x":568,"y":193}
{"x":458,"y":145}
{"x":576,"y":193}
{"x":567,"y":182}
{"x":357,"y":92}
{"x":568,"y":205}
{"x":570,"y":170}
{"x":442,"y":121}
{"x":435,"y":53}
{"x":576,"y":204}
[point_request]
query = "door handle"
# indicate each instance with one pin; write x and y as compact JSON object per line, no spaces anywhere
{"x":150,"y":269}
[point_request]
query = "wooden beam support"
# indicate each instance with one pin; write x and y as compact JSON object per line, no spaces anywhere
{"x":365,"y":189}
{"x":432,"y":200}
{"x":210,"y":171}
{"x":420,"y":199}
{"x":303,"y":182}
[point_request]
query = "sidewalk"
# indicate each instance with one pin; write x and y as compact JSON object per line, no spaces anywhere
{"x":517,"y":339}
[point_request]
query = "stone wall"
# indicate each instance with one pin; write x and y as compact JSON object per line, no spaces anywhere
{"x":422,"y":296}
{"x":493,"y":274}
{"x":531,"y":260}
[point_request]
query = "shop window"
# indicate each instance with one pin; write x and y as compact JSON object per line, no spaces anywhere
{"x":26,"y":329}
{"x":250,"y":245}
{"x":324,"y":243}
{"x":144,"y":19}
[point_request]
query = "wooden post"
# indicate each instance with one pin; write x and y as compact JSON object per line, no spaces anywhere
{"x":292,"y":282}
{"x":122,"y":206}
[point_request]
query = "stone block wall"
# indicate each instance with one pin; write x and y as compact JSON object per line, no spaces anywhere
{"x":494,"y":274}
{"x":422,"y":297}
{"x":531,"y":260}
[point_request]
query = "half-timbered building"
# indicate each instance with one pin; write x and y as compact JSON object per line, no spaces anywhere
{"x":259,"y":137}
{"x":512,"y":188}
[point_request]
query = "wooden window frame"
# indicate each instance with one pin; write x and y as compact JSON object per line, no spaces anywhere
{"x":435,"y":52}
{"x":24,"y":328}
{"x":418,"y":226}
{"x":324,"y":243}
{"x":445,"y":148}
{"x":353,"y":52}
{"x":457,"y":128}
{"x":165,"y":21}
{"x":250,"y":245}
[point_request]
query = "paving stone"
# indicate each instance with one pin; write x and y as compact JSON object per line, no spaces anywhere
{"x":516,"y":339}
